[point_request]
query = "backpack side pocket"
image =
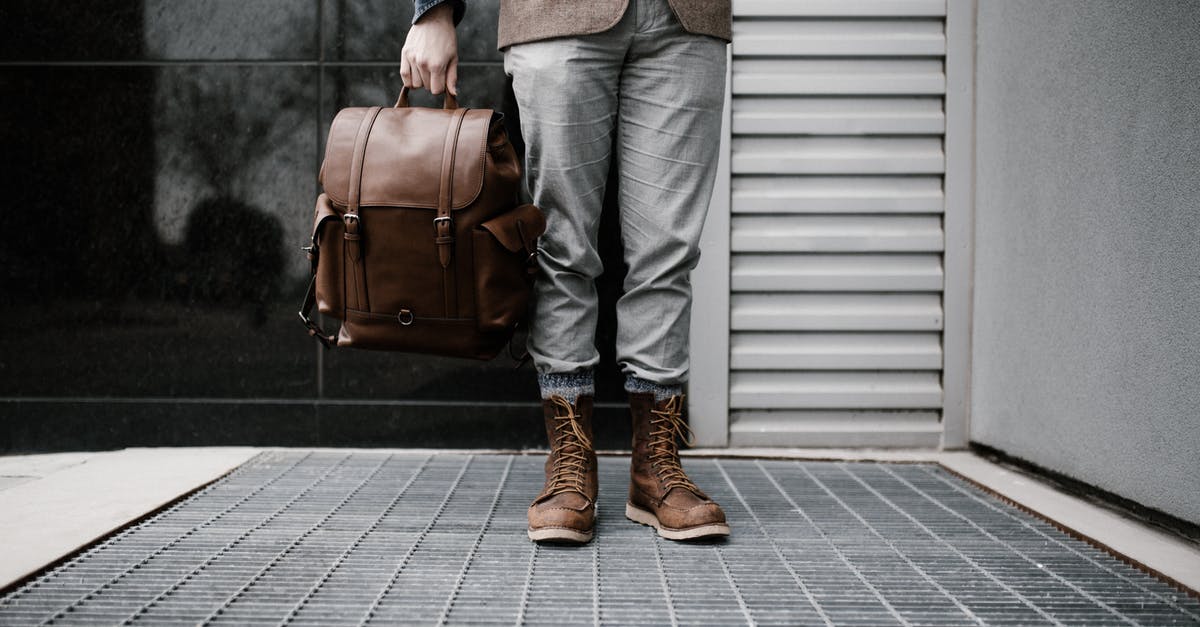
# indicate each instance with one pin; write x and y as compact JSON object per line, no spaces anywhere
{"x":505,"y":253}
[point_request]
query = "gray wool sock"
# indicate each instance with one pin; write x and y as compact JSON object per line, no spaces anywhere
{"x":661,"y":392}
{"x":570,"y":385}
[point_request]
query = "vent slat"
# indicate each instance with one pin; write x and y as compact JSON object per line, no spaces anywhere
{"x":836,"y":312}
{"x":792,"y":390}
{"x":837,"y":155}
{"x":835,"y":351}
{"x":841,"y":194}
{"x":836,"y":234}
{"x":837,"y":116}
{"x":817,"y":77}
{"x":783,"y":273}
{"x":838,"y":8}
{"x":838,"y":37}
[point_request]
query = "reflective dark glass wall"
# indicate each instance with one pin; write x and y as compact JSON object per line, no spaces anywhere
{"x":158,"y":176}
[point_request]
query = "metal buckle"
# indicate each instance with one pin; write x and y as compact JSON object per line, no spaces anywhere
{"x":449,"y":222}
{"x":350,"y":216}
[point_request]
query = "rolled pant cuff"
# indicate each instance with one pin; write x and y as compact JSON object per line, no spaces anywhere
{"x":660,"y":391}
{"x":569,"y":385}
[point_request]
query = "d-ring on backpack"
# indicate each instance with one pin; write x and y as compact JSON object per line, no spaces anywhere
{"x":418,"y":243}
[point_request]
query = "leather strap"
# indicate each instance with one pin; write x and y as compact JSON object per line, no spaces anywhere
{"x":443,"y":224}
{"x":448,"y":103}
{"x":313,"y":252}
{"x":314,"y":330}
{"x":353,"y":234}
{"x":531,"y":249}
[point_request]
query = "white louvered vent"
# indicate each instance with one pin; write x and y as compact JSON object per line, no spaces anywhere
{"x":836,"y":232}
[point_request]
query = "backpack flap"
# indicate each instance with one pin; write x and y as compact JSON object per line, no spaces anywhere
{"x":402,"y":163}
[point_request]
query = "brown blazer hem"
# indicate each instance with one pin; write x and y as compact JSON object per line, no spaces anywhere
{"x":523,"y":21}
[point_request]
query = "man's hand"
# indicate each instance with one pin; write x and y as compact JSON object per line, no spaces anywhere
{"x":430,"y":55}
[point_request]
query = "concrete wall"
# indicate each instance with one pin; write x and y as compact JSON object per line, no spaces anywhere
{"x":1086,"y":341}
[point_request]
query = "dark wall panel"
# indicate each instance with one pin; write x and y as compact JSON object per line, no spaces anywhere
{"x":373,"y":30}
{"x":157,"y":30}
{"x":159,"y":162}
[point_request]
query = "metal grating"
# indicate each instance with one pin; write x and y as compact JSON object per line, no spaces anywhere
{"x":329,"y":538}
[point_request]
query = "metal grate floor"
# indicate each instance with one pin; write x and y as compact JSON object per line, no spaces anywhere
{"x":327,"y":538}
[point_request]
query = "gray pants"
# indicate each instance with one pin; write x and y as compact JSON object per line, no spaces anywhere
{"x":661,"y":91}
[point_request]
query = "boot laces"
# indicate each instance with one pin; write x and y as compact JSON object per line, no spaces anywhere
{"x":571,"y":446}
{"x":665,"y":427}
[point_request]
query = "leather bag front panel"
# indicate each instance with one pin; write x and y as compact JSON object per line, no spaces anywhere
{"x":401,"y":262}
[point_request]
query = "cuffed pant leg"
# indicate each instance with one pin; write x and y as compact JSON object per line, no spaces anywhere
{"x":567,"y":91}
{"x":671,"y":103}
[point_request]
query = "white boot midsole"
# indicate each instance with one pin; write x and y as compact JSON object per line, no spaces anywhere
{"x":639,"y":515}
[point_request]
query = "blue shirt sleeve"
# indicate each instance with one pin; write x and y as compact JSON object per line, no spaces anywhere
{"x":421,"y":6}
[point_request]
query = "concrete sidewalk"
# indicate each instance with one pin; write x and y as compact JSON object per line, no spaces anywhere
{"x":55,"y":504}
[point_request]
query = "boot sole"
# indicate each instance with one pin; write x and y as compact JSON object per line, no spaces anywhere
{"x":558,"y":534}
{"x":639,"y":515}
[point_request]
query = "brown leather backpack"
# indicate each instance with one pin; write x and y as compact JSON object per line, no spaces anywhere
{"x":418,"y":243}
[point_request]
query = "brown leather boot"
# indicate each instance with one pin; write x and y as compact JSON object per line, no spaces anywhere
{"x":565,"y":511}
{"x":660,"y":493}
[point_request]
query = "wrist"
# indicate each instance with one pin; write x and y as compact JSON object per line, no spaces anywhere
{"x":443,"y":12}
